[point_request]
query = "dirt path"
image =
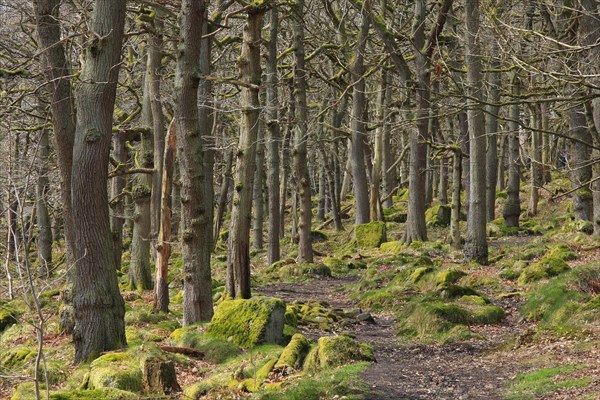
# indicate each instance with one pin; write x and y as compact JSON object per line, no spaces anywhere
{"x":469,"y":371}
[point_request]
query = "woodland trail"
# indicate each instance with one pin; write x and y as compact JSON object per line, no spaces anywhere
{"x":473,"y":370}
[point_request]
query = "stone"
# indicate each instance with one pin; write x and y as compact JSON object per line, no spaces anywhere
{"x":370,"y":235}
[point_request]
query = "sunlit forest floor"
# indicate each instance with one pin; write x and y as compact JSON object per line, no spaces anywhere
{"x":526,"y":326}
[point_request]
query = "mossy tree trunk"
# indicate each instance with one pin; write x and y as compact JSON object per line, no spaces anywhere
{"x":476,"y":247}
{"x":98,"y":306}
{"x":195,"y":218}
{"x":238,"y":260}
{"x":302,"y":178}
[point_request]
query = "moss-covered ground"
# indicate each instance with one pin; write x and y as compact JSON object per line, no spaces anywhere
{"x":526,"y":326}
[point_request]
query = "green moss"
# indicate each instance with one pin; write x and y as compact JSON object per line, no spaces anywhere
{"x":419,"y":273}
{"x":448,"y":277}
{"x":391,"y":247}
{"x":545,"y":268}
{"x":290,"y":317}
{"x":544,"y":381}
{"x":115,"y":370}
{"x":300,"y":271}
{"x":318,"y":236}
{"x":265,"y":370}
{"x":370,"y":235}
{"x":333,"y":351}
{"x":215,"y":350}
{"x":438,"y":215}
{"x":293,"y":354}
{"x":249,"y":322}
{"x":16,"y":356}
{"x":8,"y":316}
{"x":26,"y":391}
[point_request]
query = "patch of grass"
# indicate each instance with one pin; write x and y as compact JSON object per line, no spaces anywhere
{"x":342,"y":381}
{"x":544,"y":381}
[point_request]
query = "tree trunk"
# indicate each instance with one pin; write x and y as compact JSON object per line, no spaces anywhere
{"x":512,"y":206}
{"x":376,"y":176}
{"x":140,"y":275}
{"x":58,"y":72}
{"x":388,"y":174}
{"x":273,"y":136}
{"x":117,"y":202}
{"x":226,"y":185}
{"x":491,"y":128}
{"x":195,"y":218}
{"x":98,"y":306}
{"x":415,"y":222}
{"x":238,"y":260}
{"x":163,"y":247}
{"x":305,"y":252}
{"x":536,"y":160}
{"x":581,"y":167}
{"x":358,"y":127}
{"x":44,"y":226}
{"x":258,"y":194}
{"x":476,"y":247}
{"x":455,"y":207}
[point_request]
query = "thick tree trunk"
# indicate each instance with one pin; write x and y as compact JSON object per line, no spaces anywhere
{"x":476,"y":247}
{"x":303,"y":189}
{"x":195,"y":218}
{"x":358,"y":127}
{"x":258,"y":215}
{"x":238,"y":260}
{"x":512,"y":206}
{"x":163,"y":248}
{"x":491,"y":128}
{"x":98,"y":306}
{"x":273,"y":136}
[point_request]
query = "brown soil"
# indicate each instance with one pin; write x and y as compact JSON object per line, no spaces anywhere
{"x":406,"y":371}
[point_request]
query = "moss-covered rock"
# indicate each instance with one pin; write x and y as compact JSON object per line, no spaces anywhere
{"x":448,"y":277}
{"x":249,"y":322}
{"x":26,"y":391}
{"x":333,"y":351}
{"x":419,"y":273}
{"x":216,"y":350}
{"x":438,"y":215}
{"x":318,"y":236}
{"x":292,"y":357}
{"x":116,"y":370}
{"x":8,"y":316}
{"x":543,"y":269}
{"x":370,"y":235}
{"x":302,"y":271}
{"x":16,"y":356}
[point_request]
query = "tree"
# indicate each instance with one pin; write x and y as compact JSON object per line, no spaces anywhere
{"x":98,"y":306}
{"x":476,"y":248}
{"x":196,"y":245}
{"x":238,"y":260}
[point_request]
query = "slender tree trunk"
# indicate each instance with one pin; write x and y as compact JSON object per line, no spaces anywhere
{"x":226,"y":185}
{"x":98,"y":305}
{"x":195,"y":218}
{"x":305,"y":252}
{"x":274,"y":136}
{"x":512,"y":206}
{"x":491,"y":128}
{"x":536,"y":160}
{"x":455,"y":207}
{"x":158,"y":124}
{"x":163,"y":247}
{"x":443,"y":188}
{"x":258,"y":194}
{"x":57,"y":71}
{"x":415,"y":223}
{"x":117,"y":203}
{"x":376,"y":176}
{"x":238,"y":260}
{"x":140,"y":275}
{"x":358,"y":127}
{"x":502,"y":155}
{"x":44,"y":226}
{"x":388,"y":173}
{"x":582,"y":170}
{"x":476,"y":247}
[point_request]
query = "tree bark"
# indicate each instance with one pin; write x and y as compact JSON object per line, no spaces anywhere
{"x":305,"y":251}
{"x":98,"y":306}
{"x":238,"y":260}
{"x":476,"y":247}
{"x":163,"y":247}
{"x":273,"y":136}
{"x":117,"y":202}
{"x":195,"y":218}
{"x":512,"y":206}
{"x":44,"y":226}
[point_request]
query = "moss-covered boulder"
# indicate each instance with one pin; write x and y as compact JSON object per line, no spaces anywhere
{"x":116,"y":370}
{"x":16,"y":356}
{"x":438,"y":215}
{"x":448,"y":277}
{"x":8,"y":316}
{"x":370,"y":235}
{"x":249,"y":322}
{"x":216,"y":350}
{"x":333,"y":351}
{"x":553,"y":263}
{"x":293,"y":355}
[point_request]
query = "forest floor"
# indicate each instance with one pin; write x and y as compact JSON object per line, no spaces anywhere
{"x":478,"y":369}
